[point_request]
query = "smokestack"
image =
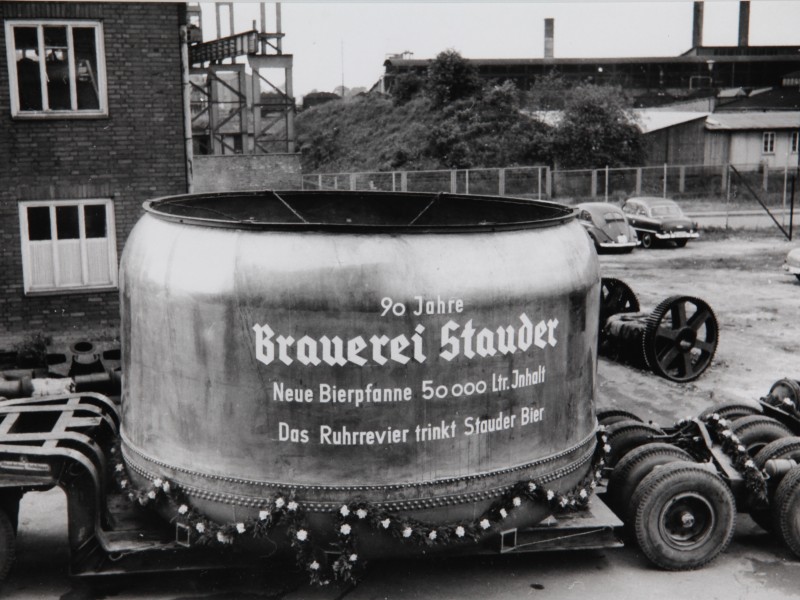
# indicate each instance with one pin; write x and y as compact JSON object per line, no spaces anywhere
{"x":744,"y":24}
{"x":549,"y":26}
{"x":697,"y":25}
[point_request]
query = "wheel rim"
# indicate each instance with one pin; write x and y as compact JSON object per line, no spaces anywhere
{"x":687,"y":520}
{"x":647,"y":240}
{"x":681,"y":338}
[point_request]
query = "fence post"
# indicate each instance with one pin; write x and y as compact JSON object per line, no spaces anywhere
{"x":548,"y":182}
{"x":606,"y":196}
{"x":453,"y":181}
{"x":638,"y":181}
{"x":682,"y":179}
{"x":393,"y":184}
{"x":594,"y":183}
{"x":319,"y":181}
{"x":404,"y":181}
{"x":352,"y":182}
{"x":466,"y":181}
{"x":664,"y":194}
{"x":725,"y":175}
{"x":501,"y":183}
{"x":765,"y":180}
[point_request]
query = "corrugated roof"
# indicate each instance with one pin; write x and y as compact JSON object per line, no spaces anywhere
{"x":653,"y":120}
{"x":785,"y":119}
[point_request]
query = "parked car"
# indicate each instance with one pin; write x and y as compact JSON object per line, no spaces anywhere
{"x":607,"y":226}
{"x":659,"y":220}
{"x":792,"y":263}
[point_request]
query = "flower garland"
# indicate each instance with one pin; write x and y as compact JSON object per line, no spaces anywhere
{"x":755,"y":480}
{"x":348,"y":566}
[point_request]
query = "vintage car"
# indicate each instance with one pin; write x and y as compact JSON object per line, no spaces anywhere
{"x":659,"y":220}
{"x":792,"y":264}
{"x":607,"y":226}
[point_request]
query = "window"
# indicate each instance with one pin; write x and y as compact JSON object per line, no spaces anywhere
{"x":768,"y":145}
{"x":56,"y":68}
{"x":68,"y":245}
{"x":795,"y":143}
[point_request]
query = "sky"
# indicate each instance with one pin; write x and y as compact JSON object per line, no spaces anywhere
{"x":335,"y":43}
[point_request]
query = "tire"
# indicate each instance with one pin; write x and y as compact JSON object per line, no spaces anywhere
{"x":635,"y":466}
{"x":609,"y":416}
{"x":786,"y":510}
{"x":624,"y":436}
{"x":647,"y":240}
{"x":786,"y":447}
{"x":8,"y":545}
{"x":9,"y":503}
{"x":685,"y":516}
{"x":680,"y":243}
{"x":756,"y":431}
{"x":732,"y":410}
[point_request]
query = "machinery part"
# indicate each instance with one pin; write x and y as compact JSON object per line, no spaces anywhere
{"x":609,"y":416}
{"x":786,"y":510}
{"x":784,"y":392}
{"x":624,"y":436}
{"x":732,"y":410}
{"x":615,"y":297}
{"x":635,"y":466}
{"x":756,"y":431}
{"x":782,"y":448}
{"x":684,"y":516}
{"x":8,"y":545}
{"x":680,"y":338}
{"x":647,"y":239}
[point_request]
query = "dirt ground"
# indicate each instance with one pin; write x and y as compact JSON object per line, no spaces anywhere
{"x":757,"y":307}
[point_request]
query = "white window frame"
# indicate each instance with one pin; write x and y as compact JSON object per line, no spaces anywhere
{"x":46,"y":112}
{"x":57,"y":287}
{"x":768,"y":142}
{"x":794,"y":142}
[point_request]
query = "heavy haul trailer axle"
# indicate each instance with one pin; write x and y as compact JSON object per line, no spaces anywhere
{"x":70,"y":440}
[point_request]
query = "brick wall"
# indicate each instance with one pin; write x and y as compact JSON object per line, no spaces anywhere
{"x":133,"y":154}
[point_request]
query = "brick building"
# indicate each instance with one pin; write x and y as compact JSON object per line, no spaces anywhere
{"x":91,"y":117}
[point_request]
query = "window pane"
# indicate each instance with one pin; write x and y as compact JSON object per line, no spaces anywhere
{"x":86,"y":68}
{"x":57,"y":65}
{"x":67,"y":222}
{"x":94,"y":216}
{"x":28,"y":79}
{"x":38,"y":223}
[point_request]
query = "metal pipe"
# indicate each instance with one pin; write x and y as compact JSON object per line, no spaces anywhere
{"x":186,"y":88}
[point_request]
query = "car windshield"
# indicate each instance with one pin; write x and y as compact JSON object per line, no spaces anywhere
{"x":666,"y":210}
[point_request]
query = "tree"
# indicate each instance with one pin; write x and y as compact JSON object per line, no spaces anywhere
{"x":450,"y":78}
{"x":597,"y":130}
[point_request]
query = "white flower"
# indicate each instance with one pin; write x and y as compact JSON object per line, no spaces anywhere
{"x":550,"y":494}
{"x":361,"y":513}
{"x":353,"y":557}
{"x":460,"y":531}
{"x":119,"y":468}
{"x":749,"y":464}
{"x":123,"y":484}
{"x":344,"y":511}
{"x":314,"y":566}
{"x":222,"y":538}
{"x":344,"y":529}
{"x":583,"y":493}
{"x":593,"y":484}
{"x":151,"y":494}
{"x":741,"y":448}
{"x":157,"y":483}
{"x":485,"y":524}
{"x":183,"y":509}
{"x":386,"y":523}
{"x":598,"y":474}
{"x":165,"y":487}
{"x":788,"y":401}
{"x":407,"y":532}
{"x":302,"y":535}
{"x":432,"y":535}
{"x":563,"y":501}
{"x":517,"y":501}
{"x":604,"y":438}
{"x":279,"y":502}
{"x":607,"y":448}
{"x":292,"y":506}
{"x":240,"y":527}
{"x":262,"y":515}
{"x":726,"y":433}
{"x":723,"y":423}
{"x":200,"y":528}
{"x":734,"y":439}
{"x":532,"y":486}
{"x":503,"y":513}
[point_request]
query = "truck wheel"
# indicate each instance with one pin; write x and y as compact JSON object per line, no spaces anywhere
{"x":635,"y":466}
{"x":8,"y":545}
{"x":626,"y":435}
{"x":785,"y":447}
{"x":756,"y":431}
{"x":786,"y":511}
{"x":732,"y":410}
{"x":609,"y":416}
{"x":684,"y":516}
